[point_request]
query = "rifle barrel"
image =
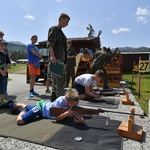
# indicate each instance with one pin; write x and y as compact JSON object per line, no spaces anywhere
{"x":141,"y":115}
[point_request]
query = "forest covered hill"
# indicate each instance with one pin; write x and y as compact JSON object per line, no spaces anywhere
{"x":16,"y":46}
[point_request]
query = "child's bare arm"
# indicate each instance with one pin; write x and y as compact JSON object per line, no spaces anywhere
{"x":68,"y":113}
{"x":88,"y":92}
{"x":36,"y":53}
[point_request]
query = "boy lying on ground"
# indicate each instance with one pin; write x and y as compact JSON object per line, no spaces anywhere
{"x":42,"y":108}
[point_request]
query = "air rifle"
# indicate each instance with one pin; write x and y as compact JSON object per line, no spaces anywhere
{"x":56,"y":111}
{"x":107,"y":92}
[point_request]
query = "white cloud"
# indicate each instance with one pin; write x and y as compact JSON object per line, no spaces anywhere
{"x":30,"y":17}
{"x":60,"y":0}
{"x":110,"y":18}
{"x":141,"y":19}
{"x":142,"y":14}
{"x":142,"y":11}
{"x":116,"y":31}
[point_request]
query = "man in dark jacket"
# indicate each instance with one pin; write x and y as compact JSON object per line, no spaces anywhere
{"x":71,"y":63}
{"x":101,"y":58}
{"x":57,"y":46}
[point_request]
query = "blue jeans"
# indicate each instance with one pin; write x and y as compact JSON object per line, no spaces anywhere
{"x":3,"y":84}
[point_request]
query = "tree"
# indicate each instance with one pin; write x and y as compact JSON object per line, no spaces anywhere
{"x":91,"y":31}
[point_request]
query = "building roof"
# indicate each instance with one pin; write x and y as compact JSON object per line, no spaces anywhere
{"x":95,"y":40}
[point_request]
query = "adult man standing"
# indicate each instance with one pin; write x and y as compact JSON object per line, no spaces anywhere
{"x":71,"y":63}
{"x":57,"y":46}
{"x":101,"y":58}
{"x":34,"y":65}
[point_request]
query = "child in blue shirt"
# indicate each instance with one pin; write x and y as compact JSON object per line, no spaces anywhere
{"x":42,"y":108}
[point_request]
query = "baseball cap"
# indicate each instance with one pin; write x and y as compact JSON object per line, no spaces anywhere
{"x":2,"y":41}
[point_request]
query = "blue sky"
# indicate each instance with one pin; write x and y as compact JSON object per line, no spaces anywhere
{"x":123,"y":22}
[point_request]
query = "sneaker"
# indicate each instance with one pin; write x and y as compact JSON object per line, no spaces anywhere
{"x":34,"y":93}
{"x":31,"y":94}
{"x":8,"y":104}
{"x":47,"y":91}
{"x":3,"y":102}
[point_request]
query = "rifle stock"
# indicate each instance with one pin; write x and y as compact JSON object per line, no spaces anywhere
{"x":56,"y":111}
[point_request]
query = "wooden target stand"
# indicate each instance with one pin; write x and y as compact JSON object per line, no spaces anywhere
{"x":129,"y":129}
{"x":126,"y":100}
{"x":123,"y":91}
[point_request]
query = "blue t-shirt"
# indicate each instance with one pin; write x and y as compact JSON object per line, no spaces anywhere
{"x":31,"y":57}
{"x":59,"y":102}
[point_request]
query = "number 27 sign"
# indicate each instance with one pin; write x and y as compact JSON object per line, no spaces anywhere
{"x":144,"y":65}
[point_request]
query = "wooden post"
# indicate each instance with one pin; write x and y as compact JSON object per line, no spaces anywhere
{"x":132,"y":75}
{"x":149,"y":110}
{"x":139,"y":80}
{"x":130,"y":124}
{"x":133,"y":111}
{"x":126,"y":100}
{"x":129,"y":129}
{"x":127,"y":96}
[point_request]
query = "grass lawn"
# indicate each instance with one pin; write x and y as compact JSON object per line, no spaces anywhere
{"x":18,"y":69}
{"x":144,"y":98}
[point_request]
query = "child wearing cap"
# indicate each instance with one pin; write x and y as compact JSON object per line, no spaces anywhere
{"x":4,"y":66}
{"x":42,"y":109}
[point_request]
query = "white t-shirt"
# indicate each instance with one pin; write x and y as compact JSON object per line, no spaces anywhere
{"x":85,"y":80}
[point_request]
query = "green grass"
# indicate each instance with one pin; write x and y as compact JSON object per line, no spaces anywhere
{"x":144,"y":96}
{"x":18,"y":69}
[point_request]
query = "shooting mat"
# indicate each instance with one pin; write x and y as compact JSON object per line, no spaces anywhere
{"x":103,"y":102}
{"x":37,"y":131}
{"x":94,"y":133}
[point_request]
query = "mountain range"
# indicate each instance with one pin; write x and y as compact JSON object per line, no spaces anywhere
{"x":16,"y":46}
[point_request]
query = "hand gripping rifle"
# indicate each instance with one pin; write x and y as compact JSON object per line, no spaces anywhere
{"x":56,"y":111}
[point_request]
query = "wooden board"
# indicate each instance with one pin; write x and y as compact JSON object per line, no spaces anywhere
{"x":78,"y":58}
{"x":135,"y":133}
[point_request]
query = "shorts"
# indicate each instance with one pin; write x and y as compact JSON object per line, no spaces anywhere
{"x":33,"y":70}
{"x":80,"y":88}
{"x":3,"y":84}
{"x":31,"y":113}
